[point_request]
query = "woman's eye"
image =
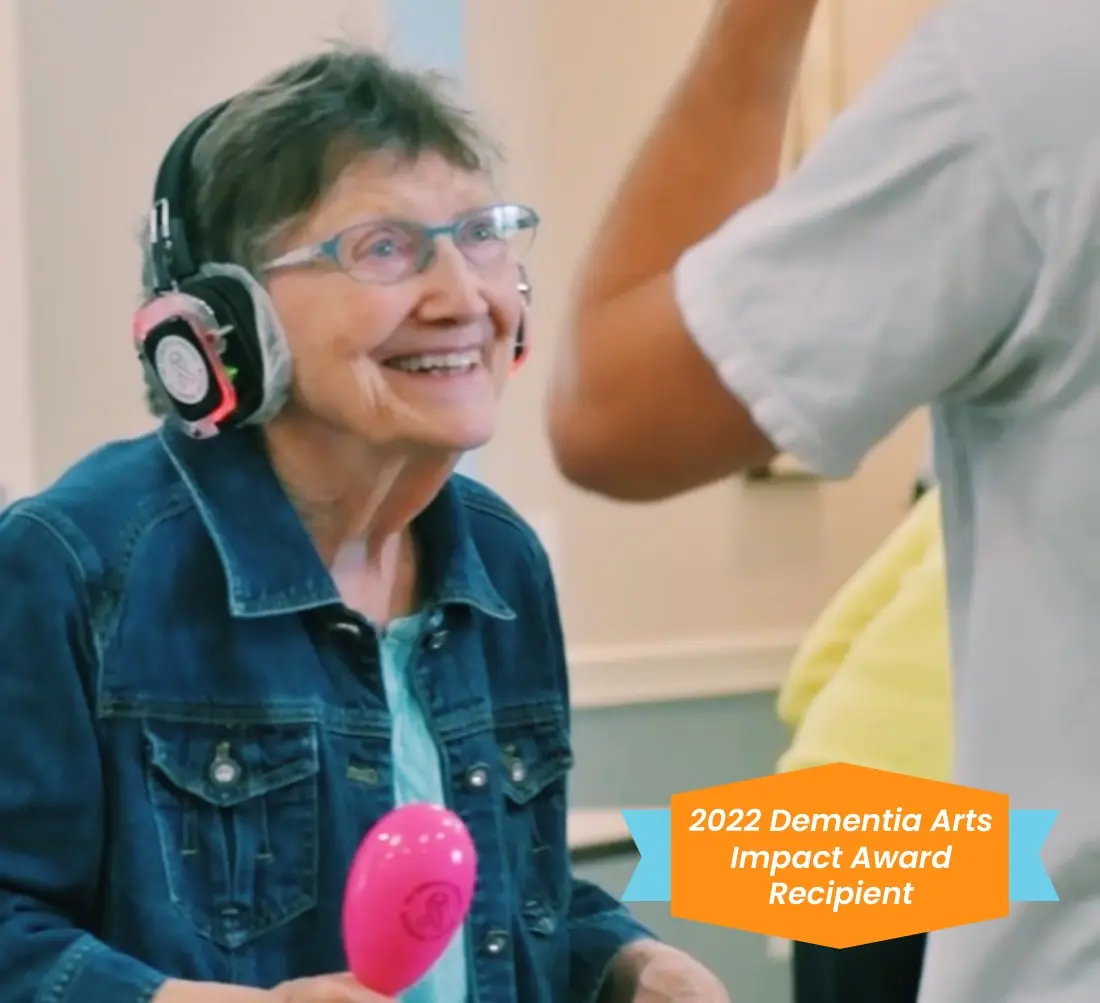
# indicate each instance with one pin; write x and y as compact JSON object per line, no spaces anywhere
{"x":481,"y":229}
{"x":382,"y":245}
{"x":381,"y":248}
{"x":378,"y":243}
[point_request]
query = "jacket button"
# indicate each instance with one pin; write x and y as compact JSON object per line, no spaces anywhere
{"x":540,"y":918}
{"x":347,"y":629}
{"x":437,"y":639}
{"x":518,"y":771}
{"x":477,"y":777}
{"x":496,"y":943}
{"x":224,"y":771}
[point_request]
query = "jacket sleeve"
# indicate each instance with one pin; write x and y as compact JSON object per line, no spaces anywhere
{"x":599,"y":927}
{"x":51,"y":786}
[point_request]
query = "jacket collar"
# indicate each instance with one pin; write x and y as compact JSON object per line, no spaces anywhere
{"x":271,"y":565}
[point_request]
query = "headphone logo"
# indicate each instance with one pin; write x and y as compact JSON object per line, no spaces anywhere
{"x":182,"y":369}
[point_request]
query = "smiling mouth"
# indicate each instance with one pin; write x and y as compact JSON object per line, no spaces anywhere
{"x":437,"y":363}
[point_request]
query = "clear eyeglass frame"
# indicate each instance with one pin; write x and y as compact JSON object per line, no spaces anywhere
{"x":390,"y":249}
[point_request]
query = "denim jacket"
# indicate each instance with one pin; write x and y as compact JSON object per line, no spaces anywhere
{"x":195,"y":735}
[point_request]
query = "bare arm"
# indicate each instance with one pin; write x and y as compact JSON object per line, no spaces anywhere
{"x":338,"y":988}
{"x":179,"y":991}
{"x":636,"y":410}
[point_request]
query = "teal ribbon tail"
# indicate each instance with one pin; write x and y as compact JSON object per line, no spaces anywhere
{"x":651,"y":829}
{"x":1028,"y":880}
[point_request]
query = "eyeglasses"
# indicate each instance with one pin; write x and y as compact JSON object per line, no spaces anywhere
{"x":384,"y":251}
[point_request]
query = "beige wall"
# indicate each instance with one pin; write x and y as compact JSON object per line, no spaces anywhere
{"x":571,"y":86}
{"x":102,"y":98}
{"x":16,"y":446}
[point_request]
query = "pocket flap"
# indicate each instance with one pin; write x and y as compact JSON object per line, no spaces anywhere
{"x":226,"y":764}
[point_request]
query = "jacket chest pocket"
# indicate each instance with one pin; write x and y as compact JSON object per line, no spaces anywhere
{"x":537,"y":758}
{"x":236,"y":812}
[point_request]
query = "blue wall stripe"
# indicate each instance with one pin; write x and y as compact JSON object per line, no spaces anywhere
{"x":429,"y":35}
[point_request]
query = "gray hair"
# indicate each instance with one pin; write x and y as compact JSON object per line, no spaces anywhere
{"x":279,"y":146}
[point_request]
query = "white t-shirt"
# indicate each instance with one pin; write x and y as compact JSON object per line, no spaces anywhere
{"x":942,"y":246}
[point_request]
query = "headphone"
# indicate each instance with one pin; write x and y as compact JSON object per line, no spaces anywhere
{"x":209,"y":339}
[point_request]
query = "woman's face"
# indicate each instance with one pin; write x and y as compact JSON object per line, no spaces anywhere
{"x":409,"y":364}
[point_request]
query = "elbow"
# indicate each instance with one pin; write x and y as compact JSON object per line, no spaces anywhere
{"x":594,"y":477}
{"x":573,"y":452}
{"x":594,"y":463}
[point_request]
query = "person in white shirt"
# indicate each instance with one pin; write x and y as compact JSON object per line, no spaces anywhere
{"x":940,"y":246}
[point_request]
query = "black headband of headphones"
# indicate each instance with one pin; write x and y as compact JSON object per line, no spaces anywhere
{"x":171,"y":224}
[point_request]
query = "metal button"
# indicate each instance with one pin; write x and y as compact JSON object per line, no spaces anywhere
{"x":437,"y":639}
{"x":224,"y":770}
{"x":435,"y":620}
{"x":496,"y":943}
{"x":518,"y":771}
{"x":477,"y":777}
{"x":540,"y":919}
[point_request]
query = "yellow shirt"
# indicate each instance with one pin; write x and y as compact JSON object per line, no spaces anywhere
{"x":871,"y":682}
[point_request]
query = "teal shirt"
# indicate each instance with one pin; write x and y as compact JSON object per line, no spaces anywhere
{"x":418,"y":777}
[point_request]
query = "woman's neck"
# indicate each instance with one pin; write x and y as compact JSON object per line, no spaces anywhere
{"x":358,"y":504}
{"x":382,"y":586}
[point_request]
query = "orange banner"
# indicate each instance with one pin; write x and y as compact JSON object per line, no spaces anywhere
{"x":840,"y":855}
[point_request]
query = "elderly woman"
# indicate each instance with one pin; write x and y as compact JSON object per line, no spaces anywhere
{"x":232,"y":645}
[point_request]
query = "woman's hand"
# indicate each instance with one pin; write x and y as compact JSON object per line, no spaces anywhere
{"x":650,"y":972}
{"x":340,"y":988}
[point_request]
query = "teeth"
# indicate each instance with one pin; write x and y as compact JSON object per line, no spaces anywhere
{"x":447,"y":362}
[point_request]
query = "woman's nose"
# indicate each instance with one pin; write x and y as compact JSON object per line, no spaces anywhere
{"x":453,"y":289}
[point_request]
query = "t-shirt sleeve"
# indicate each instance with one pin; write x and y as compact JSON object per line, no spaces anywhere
{"x":880,"y":276}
